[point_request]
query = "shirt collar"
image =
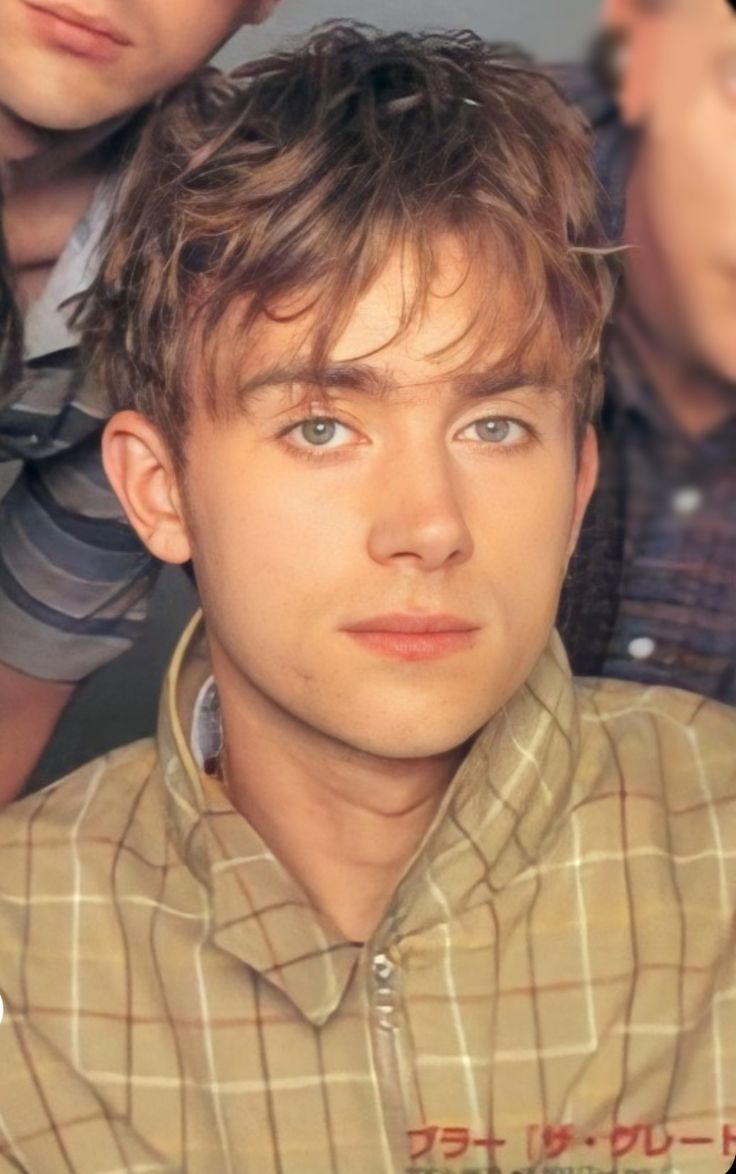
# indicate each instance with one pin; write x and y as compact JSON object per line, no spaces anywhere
{"x":630,"y":392}
{"x":508,"y":795}
{"x":47,"y":328}
{"x":256,"y":910}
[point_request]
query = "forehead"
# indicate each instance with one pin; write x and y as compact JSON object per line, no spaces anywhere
{"x":416,"y":332}
{"x":694,"y":30}
{"x":692,"y":80}
{"x":439,"y":324}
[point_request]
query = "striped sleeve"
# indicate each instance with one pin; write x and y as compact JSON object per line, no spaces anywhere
{"x":74,"y":578}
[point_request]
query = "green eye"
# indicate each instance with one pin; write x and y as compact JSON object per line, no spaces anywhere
{"x":497,"y":432}
{"x":318,"y":432}
{"x":492,"y":430}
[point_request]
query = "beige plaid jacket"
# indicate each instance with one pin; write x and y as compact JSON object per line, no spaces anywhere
{"x":552,"y":989}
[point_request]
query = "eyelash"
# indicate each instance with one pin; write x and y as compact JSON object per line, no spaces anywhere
{"x":323,"y":453}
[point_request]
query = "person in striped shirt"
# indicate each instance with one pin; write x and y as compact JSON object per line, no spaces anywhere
{"x":389,"y":892}
{"x":76,"y":82}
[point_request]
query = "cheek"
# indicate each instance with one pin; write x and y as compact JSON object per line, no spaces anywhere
{"x":693,"y":179}
{"x":184,"y":35}
{"x":522,"y":540}
{"x":260,"y":529}
{"x":541,"y":558}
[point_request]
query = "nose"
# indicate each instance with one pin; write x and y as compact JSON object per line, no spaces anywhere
{"x":418,"y":517}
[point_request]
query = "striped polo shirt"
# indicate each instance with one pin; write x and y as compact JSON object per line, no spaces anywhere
{"x":73,"y":575}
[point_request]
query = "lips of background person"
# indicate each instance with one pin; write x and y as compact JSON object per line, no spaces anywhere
{"x":70,"y":30}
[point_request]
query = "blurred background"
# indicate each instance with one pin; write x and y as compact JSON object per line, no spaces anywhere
{"x":119,"y":703}
{"x":558,"y":30}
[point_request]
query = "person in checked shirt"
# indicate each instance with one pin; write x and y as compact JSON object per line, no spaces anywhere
{"x":389,"y":892}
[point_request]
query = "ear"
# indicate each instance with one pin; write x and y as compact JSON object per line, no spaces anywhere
{"x":140,"y":468}
{"x":587,"y":475}
{"x":256,"y":11}
{"x":640,"y":28}
{"x":615,"y":14}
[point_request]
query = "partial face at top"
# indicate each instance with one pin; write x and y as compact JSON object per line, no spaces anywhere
{"x":679,"y":86}
{"x":71,"y":64}
{"x":379,"y":557}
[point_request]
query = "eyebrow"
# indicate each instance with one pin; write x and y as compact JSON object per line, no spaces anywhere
{"x":359,"y":377}
{"x":368,"y":380}
{"x":497,"y":381}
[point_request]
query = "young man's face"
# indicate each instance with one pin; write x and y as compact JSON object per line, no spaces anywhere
{"x":382,"y":569}
{"x":679,"y":86}
{"x":73,"y":64}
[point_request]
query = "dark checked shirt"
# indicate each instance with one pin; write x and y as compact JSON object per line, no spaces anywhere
{"x":559,"y":952}
{"x":653,"y":590}
{"x":73,"y":576}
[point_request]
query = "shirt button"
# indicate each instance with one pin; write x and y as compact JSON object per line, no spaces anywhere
{"x":641,"y":648}
{"x":687,"y":500}
{"x":383,"y":968}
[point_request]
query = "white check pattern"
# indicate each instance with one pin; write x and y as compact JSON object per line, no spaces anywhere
{"x":560,"y":952}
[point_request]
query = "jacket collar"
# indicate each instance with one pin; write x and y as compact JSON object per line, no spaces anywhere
{"x":506,"y":800}
{"x":47,"y":326}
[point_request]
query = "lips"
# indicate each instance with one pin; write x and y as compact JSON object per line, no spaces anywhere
{"x":412,"y":623}
{"x":77,"y":32}
{"x":93,"y":24}
{"x":414,"y":637}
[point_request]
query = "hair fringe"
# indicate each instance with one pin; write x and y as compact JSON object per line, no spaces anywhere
{"x":297,"y":175}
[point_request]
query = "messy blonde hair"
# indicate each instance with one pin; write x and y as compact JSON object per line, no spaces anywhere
{"x":300,"y":173}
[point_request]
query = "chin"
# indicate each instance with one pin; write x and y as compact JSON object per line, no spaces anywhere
{"x":713,"y":340}
{"x":419,"y":744}
{"x":408,"y":728}
{"x":58,"y":116}
{"x":64,"y":104}
{"x":722,"y":361}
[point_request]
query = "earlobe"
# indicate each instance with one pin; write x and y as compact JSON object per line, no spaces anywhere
{"x":256,"y":11}
{"x":139,"y":466}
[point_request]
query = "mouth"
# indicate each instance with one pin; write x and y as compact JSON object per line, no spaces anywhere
{"x":78,"y":33}
{"x":414,"y":637}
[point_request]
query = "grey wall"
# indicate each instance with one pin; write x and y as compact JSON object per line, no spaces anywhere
{"x":555,"y":30}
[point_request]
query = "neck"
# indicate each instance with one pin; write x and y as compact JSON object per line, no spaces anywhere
{"x":48,"y":180}
{"x":344,"y":823}
{"x":33,"y":156}
{"x":697,"y":398}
